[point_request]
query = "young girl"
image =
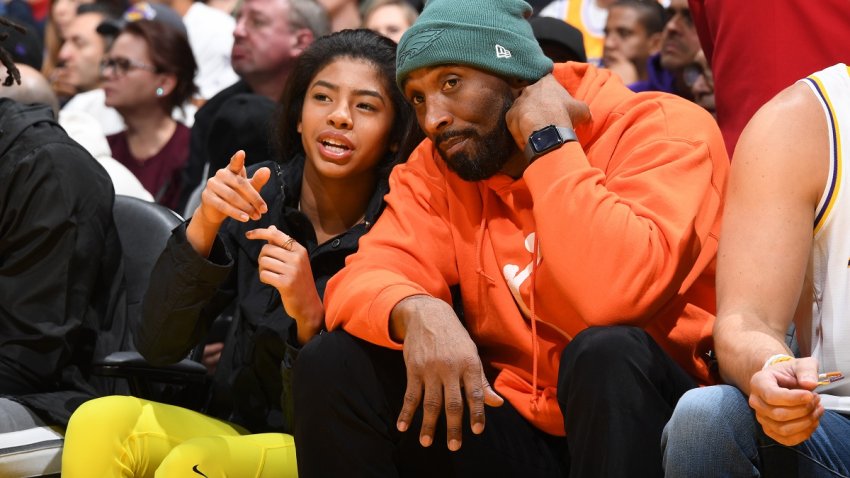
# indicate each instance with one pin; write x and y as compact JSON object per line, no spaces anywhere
{"x":270,"y":239}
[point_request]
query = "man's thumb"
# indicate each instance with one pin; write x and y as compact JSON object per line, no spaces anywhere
{"x":806,"y":370}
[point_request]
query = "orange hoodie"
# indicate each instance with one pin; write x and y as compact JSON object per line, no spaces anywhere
{"x":623,"y":225}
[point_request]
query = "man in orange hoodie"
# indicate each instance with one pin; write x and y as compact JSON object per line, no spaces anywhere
{"x":571,"y":223}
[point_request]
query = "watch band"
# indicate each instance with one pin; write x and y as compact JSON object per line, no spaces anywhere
{"x":546,"y":139}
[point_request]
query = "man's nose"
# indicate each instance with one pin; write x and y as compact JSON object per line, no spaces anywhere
{"x":435,"y":119}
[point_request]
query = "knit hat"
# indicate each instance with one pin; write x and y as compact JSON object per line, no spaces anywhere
{"x":492,"y":35}
{"x":554,"y":31}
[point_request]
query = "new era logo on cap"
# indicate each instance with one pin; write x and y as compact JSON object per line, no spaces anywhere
{"x":502,"y":52}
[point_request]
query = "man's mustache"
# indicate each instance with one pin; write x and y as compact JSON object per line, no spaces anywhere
{"x":447,"y":135}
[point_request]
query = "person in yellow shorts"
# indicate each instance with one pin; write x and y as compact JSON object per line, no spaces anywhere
{"x":268,"y":238}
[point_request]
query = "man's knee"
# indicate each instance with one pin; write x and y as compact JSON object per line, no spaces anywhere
{"x":710,"y":414}
{"x":709,"y":424}
{"x":337,"y":371}
{"x":332,"y":366}
{"x":595,"y":349}
{"x":323,"y":357}
{"x":698,"y":409}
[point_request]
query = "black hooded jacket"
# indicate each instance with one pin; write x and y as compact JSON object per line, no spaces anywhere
{"x":62,"y":300}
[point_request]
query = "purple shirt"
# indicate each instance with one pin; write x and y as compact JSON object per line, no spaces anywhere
{"x":659,"y":78}
{"x":161,"y":173}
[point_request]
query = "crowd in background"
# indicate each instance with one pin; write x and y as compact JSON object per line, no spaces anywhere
{"x":189,"y":104}
{"x":236,"y":64}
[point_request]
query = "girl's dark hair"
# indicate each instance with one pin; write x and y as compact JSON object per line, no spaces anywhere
{"x":360,"y":44}
{"x":170,"y":52}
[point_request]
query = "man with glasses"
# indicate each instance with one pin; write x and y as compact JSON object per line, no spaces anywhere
{"x":700,"y":80}
{"x":679,"y":48}
{"x":679,"y":42}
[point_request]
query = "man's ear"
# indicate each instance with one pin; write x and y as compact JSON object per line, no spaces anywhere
{"x":517,"y":84}
{"x":303,"y":38}
{"x":654,"y":43}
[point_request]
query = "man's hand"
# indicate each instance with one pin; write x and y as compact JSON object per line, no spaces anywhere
{"x":782,"y":397}
{"x":442,"y":359}
{"x":617,"y":62}
{"x":60,"y":84}
{"x":211,"y":356}
{"x":541,"y":104}
{"x":285,"y":265}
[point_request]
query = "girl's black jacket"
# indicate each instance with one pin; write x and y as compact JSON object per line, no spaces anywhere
{"x":187,"y":292}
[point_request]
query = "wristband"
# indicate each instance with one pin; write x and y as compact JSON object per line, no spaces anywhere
{"x":775,"y":359}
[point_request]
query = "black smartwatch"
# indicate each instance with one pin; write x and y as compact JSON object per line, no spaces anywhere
{"x":546,"y":139}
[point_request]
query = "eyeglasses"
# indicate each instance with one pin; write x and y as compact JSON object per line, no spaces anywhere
{"x":123,"y":65}
{"x":685,"y":13}
{"x":693,"y":72}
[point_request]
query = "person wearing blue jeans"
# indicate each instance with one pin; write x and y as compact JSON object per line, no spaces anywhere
{"x":713,"y":432}
{"x":782,"y":258}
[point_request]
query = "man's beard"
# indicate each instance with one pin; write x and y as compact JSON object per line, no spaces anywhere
{"x":485,"y":155}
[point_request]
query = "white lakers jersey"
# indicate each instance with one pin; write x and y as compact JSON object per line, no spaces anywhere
{"x":830,"y":326}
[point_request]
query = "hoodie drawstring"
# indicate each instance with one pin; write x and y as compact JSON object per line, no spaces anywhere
{"x":535,"y":343}
{"x":479,"y":258}
{"x":482,"y":302}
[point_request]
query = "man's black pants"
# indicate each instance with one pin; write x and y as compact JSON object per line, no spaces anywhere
{"x":617,"y":385}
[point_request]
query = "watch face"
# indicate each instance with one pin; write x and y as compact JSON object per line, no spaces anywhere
{"x":545,"y":139}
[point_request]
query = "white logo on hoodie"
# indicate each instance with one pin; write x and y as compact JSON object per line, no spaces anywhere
{"x":515,"y":277}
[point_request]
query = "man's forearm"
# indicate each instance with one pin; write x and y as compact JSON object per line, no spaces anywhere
{"x":743,"y":344}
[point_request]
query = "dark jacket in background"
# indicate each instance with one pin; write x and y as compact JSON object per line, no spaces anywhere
{"x":187,"y":292}
{"x":62,"y":300}
{"x":236,"y":118}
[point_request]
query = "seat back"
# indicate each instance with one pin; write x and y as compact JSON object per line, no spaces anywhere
{"x":143,"y":229}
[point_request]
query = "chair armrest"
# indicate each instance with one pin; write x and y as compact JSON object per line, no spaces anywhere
{"x":139,"y":373}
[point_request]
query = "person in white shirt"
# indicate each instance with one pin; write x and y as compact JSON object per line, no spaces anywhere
{"x":210,"y":33}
